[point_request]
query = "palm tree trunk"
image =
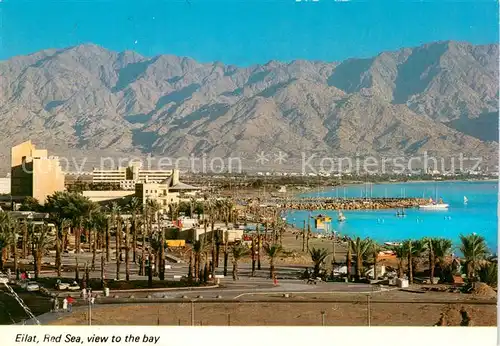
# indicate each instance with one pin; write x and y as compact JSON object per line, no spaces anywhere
{"x":226,"y":257}
{"x":143,"y":254}
{"x":190,"y":269}
{"x":349,"y":262}
{"x":150,"y":271}
{"x":108,"y":241}
{"x":162,"y":255}
{"x":410,"y":264}
{"x":304,"y":237}
{"x":308,"y":235}
{"x":38,"y":266}
{"x":15,"y":257}
{"x":400,"y":268}
{"x":127,"y":250}
{"x":58,"y":252}
{"x":258,"y":247}
{"x":359,"y":264}
{"x":271,"y":268}
{"x":102,"y":265}
{"x":235,"y":270}
{"x":134,"y":241}
{"x":77,"y":239}
{"x":25,"y":241}
{"x":432,"y":262}
{"x":217,"y":252}
{"x":94,"y":250}
{"x":316,"y":270}
{"x":213,"y":249}
{"x":253,"y":256}
{"x":118,"y":251}
{"x":198,"y":265}
{"x":157,"y":262}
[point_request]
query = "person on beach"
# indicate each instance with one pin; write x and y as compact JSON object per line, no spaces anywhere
{"x":65,"y":304}
{"x":70,"y":303}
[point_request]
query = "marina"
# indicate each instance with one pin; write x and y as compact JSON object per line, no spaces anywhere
{"x":478,"y":215}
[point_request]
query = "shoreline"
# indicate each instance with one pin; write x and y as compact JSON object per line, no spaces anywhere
{"x":330,"y":188}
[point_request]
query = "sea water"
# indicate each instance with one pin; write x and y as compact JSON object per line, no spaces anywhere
{"x":479,"y":215}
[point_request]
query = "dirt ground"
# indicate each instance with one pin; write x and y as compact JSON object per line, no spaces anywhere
{"x":282,"y":314}
{"x":385,"y":310}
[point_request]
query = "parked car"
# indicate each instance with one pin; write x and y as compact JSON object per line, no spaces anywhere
{"x":4,"y":279}
{"x":73,"y":287}
{"x":32,"y":286}
{"x":61,"y":286}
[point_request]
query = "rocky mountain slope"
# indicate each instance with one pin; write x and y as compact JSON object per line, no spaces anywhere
{"x":87,"y":100}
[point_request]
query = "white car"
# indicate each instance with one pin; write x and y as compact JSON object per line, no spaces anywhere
{"x":32,"y":286}
{"x":4,"y":279}
{"x":61,"y":286}
{"x":73,"y":287}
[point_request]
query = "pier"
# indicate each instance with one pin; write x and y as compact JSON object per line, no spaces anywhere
{"x":332,"y":203}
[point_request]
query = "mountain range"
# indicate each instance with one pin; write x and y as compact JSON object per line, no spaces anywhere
{"x":440,"y":98}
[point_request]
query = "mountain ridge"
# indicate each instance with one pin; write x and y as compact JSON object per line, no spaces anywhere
{"x":95,"y":101}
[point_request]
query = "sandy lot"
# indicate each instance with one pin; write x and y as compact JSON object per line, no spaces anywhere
{"x":292,"y":312}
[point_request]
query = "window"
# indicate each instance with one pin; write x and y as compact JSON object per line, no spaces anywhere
{"x":146,"y":191}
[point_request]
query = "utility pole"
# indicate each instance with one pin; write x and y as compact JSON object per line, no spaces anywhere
{"x":89,"y":301}
{"x":369,"y":308}
{"x":192,"y":312}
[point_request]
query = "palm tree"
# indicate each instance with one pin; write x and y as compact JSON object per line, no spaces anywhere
{"x":135,"y":207}
{"x":318,"y":257}
{"x":348,"y":260}
{"x":41,"y":240}
{"x":57,"y":207}
{"x":4,"y":243}
{"x":409,"y":252}
{"x":360,"y":248}
{"x":474,"y":249}
{"x":418,"y":249}
{"x":115,"y":222}
{"x":374,"y":250}
{"x":259,"y":244}
{"x":488,"y":273}
{"x":127,"y":251}
{"x":272,"y":252}
{"x":438,"y":249}
{"x":401,"y":254}
{"x":10,"y":231}
{"x":98,"y":225}
{"x":198,"y":249}
{"x":31,"y":204}
{"x":441,"y":249}
{"x":239,"y":251}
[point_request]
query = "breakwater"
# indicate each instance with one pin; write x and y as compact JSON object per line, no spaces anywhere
{"x":350,"y":203}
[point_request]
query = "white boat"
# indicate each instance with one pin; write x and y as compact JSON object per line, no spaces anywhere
{"x":434,"y":206}
{"x":341,"y":217}
{"x":390,"y":243}
{"x":465,"y":200}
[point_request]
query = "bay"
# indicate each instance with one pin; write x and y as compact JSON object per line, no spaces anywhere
{"x":479,"y":215}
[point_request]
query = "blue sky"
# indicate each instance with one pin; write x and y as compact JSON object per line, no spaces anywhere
{"x":243,"y":32}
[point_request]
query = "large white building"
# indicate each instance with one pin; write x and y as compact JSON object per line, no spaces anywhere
{"x":166,"y":192}
{"x":127,"y":177}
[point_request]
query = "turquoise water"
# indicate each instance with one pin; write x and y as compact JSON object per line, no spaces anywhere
{"x":479,"y":215}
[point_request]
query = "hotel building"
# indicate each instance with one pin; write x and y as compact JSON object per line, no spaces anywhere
{"x":34,"y":173}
